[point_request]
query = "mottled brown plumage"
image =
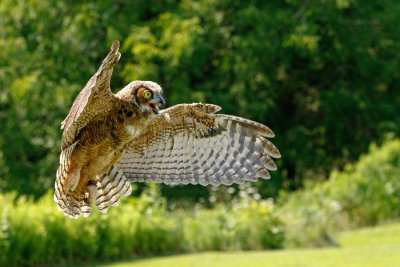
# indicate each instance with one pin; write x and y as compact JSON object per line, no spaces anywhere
{"x":110,"y":140}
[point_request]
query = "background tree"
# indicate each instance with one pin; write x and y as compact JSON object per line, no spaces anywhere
{"x":322,"y":74}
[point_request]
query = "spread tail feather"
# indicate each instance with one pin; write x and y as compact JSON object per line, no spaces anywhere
{"x":70,"y":204}
{"x":108,"y":187}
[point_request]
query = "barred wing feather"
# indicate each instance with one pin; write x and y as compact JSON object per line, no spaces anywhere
{"x":190,"y":144}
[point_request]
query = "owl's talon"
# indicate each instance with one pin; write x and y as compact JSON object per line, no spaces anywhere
{"x":86,"y":200}
{"x":92,"y":182}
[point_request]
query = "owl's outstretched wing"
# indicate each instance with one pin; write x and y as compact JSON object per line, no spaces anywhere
{"x":94,"y":99}
{"x":190,"y":144}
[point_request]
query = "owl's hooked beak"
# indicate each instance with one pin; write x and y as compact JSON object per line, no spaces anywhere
{"x":158,"y":100}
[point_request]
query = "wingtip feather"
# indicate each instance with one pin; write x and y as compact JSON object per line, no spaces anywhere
{"x":115,"y":45}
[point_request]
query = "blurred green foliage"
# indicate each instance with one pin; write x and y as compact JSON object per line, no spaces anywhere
{"x":323,"y":75}
{"x":365,"y":193}
{"x":34,"y":233}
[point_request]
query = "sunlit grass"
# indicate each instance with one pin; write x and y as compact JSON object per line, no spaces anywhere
{"x":376,"y":246}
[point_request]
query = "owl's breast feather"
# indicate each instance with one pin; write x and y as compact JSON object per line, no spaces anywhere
{"x":133,"y":131}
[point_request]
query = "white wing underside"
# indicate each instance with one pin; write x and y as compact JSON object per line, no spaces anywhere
{"x":237,"y":154}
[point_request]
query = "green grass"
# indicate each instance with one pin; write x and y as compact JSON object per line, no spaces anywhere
{"x":376,"y":246}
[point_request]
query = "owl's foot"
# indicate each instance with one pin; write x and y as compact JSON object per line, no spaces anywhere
{"x":72,"y":180}
{"x":91,"y":194}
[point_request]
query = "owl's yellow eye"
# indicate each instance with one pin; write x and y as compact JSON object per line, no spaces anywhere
{"x":147,"y":94}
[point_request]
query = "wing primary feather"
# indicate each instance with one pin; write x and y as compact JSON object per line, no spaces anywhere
{"x":139,"y":172}
{"x":214,"y":166}
{"x":220,"y":159}
{"x":236,"y":157}
{"x":196,"y":171}
{"x":199,"y":154}
{"x":119,"y":180}
{"x":270,"y":148}
{"x":111,"y":190}
{"x":257,"y":128}
{"x":160,"y":163}
{"x":92,"y":99}
{"x":148,"y":164}
{"x":187,"y":150}
{"x":151,"y":156}
{"x":180,"y":168}
{"x":188,"y":162}
{"x":164,"y":175}
{"x":210,"y":162}
{"x":102,"y":199}
{"x":157,"y":162}
{"x":174,"y":161}
{"x":169,"y":168}
{"x":187,"y":170}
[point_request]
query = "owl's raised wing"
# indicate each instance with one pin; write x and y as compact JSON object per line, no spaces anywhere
{"x":94,"y":99}
{"x":190,"y":144}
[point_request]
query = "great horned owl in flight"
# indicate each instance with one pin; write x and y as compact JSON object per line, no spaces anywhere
{"x":110,"y":140}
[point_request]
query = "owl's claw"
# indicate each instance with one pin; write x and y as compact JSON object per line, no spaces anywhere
{"x":86,"y":199}
{"x":92,"y":182}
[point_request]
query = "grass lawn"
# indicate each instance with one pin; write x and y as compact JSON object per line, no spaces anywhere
{"x":377,"y":246}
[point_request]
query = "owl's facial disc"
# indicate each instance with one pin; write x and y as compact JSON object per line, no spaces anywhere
{"x":149,"y":99}
{"x":155,"y":102}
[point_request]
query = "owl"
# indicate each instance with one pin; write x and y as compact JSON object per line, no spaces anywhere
{"x":111,"y":140}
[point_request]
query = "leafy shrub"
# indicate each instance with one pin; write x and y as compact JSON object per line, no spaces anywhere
{"x":248,"y":225}
{"x":36,"y":232}
{"x":365,"y":193}
{"x":368,"y":192}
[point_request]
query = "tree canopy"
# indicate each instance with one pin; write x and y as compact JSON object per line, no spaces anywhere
{"x":323,"y":75}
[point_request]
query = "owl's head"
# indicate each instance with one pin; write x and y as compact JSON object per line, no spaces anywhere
{"x":144,"y":95}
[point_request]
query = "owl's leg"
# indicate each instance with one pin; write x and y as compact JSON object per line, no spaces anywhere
{"x":72,"y":178}
{"x":92,"y":192}
{"x":77,"y":160}
{"x":74,"y":173}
